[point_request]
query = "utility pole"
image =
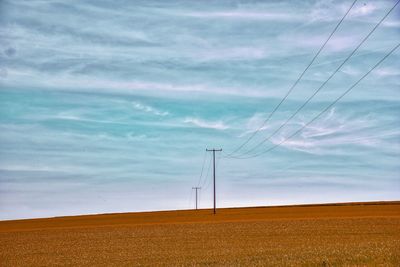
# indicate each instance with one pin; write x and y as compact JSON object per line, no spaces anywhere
{"x":196,"y":188}
{"x":214,"y":150}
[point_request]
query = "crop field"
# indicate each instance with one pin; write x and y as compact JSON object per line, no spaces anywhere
{"x":353,"y":234}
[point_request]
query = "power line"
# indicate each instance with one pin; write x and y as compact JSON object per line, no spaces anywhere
{"x":327,"y":108}
{"x":202,"y":168}
{"x":190,"y":199}
{"x":323,"y":84}
{"x":207,"y":185}
{"x":208,"y":171}
{"x":295,"y":83}
{"x":291,"y":167}
{"x":201,"y":174}
{"x":209,"y":180}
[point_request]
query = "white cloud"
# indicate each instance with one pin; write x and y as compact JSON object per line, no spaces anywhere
{"x":217,"y":125}
{"x":387,"y":72}
{"x":391,"y":23}
{"x":330,"y":10}
{"x":249,"y":15}
{"x":149,"y":109}
{"x":325,"y":11}
{"x":363,"y":10}
{"x":72,"y":115}
{"x":336,"y":44}
{"x":29,"y":77}
{"x":332,"y":131}
{"x":239,"y":53}
{"x":255,"y":123}
{"x":349,"y":70}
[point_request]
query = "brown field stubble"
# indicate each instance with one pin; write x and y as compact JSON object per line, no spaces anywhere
{"x":321,"y":235}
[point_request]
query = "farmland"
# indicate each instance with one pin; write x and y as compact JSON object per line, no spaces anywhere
{"x":352,"y":234}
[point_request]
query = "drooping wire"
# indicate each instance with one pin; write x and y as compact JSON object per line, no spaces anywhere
{"x":291,"y":167}
{"x":190,"y":198}
{"x":216,"y":168}
{"x":202,"y":168}
{"x":208,"y":171}
{"x":198,"y":182}
{"x":294,"y":84}
{"x":320,"y":88}
{"x":326,"y":108}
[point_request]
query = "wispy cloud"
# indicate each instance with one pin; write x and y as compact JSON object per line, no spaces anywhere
{"x":254,"y":123}
{"x":217,"y":125}
{"x":331,"y":10}
{"x":364,"y":9}
{"x":350,"y":70}
{"x":246,"y":15}
{"x":26,"y":76}
{"x":336,"y":44}
{"x":391,"y":23}
{"x":333,"y":131}
{"x":387,"y":72}
{"x":73,"y":115}
{"x":149,"y":109}
{"x":238,"y":53}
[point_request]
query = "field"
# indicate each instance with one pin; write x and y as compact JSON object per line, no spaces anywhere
{"x":352,"y":234}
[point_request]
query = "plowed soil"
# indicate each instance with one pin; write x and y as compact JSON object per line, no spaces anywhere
{"x":351,"y":234}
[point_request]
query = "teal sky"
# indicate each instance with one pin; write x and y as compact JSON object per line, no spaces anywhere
{"x":108,"y":106}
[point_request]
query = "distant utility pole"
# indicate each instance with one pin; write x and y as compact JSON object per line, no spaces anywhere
{"x":214,"y":150}
{"x":196,"y":188}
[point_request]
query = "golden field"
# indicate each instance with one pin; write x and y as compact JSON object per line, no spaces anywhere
{"x":352,"y":234}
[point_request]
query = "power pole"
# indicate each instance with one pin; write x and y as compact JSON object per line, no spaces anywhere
{"x":214,"y":150}
{"x":196,"y":188}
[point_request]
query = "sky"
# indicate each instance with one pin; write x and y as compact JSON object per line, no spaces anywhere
{"x":108,"y":106}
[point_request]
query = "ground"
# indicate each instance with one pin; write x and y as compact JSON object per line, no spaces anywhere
{"x":352,"y":234}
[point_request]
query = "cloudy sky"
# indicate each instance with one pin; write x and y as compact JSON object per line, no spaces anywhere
{"x":108,"y":106}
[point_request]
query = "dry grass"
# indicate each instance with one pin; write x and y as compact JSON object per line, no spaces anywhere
{"x":337,"y":235}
